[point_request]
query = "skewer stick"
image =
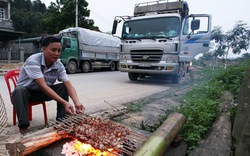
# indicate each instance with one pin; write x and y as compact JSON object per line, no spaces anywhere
{"x":136,"y":140}
{"x":120,"y":110}
{"x":137,"y":134}
{"x":129,"y":146}
{"x":74,"y":120}
{"x":124,"y":151}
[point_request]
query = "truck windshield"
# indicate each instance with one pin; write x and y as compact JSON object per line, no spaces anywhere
{"x":151,"y":28}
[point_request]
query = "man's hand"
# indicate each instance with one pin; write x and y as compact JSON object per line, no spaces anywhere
{"x":69,"y":109}
{"x":79,"y":108}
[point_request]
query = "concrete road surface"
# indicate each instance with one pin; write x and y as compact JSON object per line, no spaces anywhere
{"x":93,"y":88}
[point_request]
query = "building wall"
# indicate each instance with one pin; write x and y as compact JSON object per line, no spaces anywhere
{"x":28,"y":47}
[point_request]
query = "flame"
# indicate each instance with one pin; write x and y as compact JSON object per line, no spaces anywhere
{"x":77,"y":148}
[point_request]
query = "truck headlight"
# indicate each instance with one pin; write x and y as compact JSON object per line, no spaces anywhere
{"x":123,"y":58}
{"x":172,"y":59}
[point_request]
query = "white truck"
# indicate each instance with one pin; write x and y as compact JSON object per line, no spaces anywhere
{"x":85,"y":50}
{"x":161,"y":38}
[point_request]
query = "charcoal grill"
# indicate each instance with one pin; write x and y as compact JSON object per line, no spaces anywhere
{"x":135,"y":143}
{"x":128,"y":146}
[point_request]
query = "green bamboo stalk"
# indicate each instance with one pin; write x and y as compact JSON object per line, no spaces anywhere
{"x":160,"y":140}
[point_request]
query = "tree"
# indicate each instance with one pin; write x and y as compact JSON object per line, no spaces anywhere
{"x":245,"y":56}
{"x":236,"y":39}
{"x":217,"y":45}
{"x":61,"y":15}
{"x":24,"y":5}
{"x":35,"y":19}
{"x":26,"y":16}
{"x":38,"y":6}
{"x":218,"y":36}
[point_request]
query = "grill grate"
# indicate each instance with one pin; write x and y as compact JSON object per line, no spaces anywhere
{"x":128,"y":144}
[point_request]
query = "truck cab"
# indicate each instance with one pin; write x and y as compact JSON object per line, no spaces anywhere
{"x":161,"y":38}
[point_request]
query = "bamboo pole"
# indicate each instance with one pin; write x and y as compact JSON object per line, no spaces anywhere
{"x":160,"y":140}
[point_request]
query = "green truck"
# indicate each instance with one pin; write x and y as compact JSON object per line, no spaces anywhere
{"x":86,"y":50}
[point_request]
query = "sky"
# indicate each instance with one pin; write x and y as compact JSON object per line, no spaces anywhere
{"x":225,"y":13}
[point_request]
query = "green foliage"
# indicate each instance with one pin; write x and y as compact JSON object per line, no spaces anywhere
{"x":232,"y":110}
{"x":200,"y":115}
{"x":200,"y":105}
{"x":219,"y":37}
{"x":151,"y":128}
{"x":206,"y":90}
{"x":61,"y":15}
{"x":25,"y":5}
{"x":33,"y":18}
{"x":231,"y":77}
{"x":133,"y":107}
{"x":138,"y":106}
{"x":238,"y":39}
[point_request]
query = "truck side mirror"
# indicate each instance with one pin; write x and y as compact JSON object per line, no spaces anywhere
{"x":114,"y":26}
{"x":195,"y":24}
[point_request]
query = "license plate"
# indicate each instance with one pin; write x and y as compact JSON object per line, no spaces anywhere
{"x":144,"y":65}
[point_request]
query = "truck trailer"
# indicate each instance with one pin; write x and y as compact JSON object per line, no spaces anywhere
{"x":161,"y":38}
{"x":86,"y":50}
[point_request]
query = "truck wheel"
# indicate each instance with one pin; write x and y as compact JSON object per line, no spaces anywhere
{"x":184,"y":71}
{"x":85,"y":67}
{"x":117,"y":66}
{"x":71,"y":68}
{"x":142,"y":76}
{"x":176,"y":79}
{"x":133,"y":76}
{"x":112,"y":66}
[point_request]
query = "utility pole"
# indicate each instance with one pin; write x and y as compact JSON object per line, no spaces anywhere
{"x":76,"y":13}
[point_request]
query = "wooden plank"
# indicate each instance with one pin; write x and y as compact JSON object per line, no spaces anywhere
{"x":31,"y":142}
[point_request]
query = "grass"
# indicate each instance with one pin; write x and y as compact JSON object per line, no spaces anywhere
{"x":200,"y":105}
{"x":138,"y":105}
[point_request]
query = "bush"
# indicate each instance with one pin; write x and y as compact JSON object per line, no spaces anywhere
{"x":201,"y":104}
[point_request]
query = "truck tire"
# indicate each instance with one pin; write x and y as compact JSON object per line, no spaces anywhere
{"x":142,"y":76}
{"x":85,"y":67}
{"x":176,"y":78}
{"x":71,"y":67}
{"x":117,"y":66}
{"x":181,"y":73}
{"x":133,"y":76}
{"x":112,"y":66}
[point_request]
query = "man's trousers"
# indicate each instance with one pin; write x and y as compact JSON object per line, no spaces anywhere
{"x":21,"y":96}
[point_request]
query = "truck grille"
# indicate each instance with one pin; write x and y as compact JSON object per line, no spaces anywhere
{"x":153,"y":56}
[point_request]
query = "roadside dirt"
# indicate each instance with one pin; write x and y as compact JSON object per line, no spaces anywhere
{"x":160,"y":104}
{"x":154,"y":106}
{"x":7,"y":66}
